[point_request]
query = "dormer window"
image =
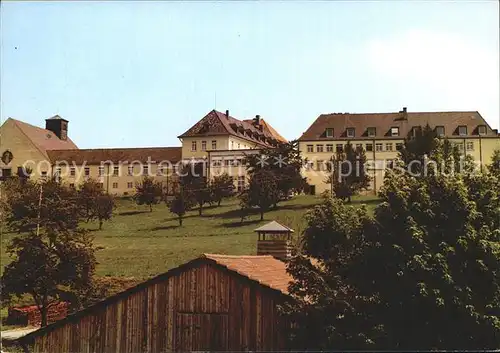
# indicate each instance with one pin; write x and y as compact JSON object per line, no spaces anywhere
{"x":329,"y":132}
{"x":395,"y":131}
{"x":350,"y":132}
{"x":371,"y":131}
{"x":462,"y":130}
{"x":481,"y":130}
{"x":440,"y":131}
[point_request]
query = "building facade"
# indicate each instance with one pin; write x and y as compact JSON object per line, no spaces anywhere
{"x":382,"y":135}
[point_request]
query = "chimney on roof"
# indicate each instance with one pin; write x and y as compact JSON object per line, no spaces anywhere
{"x":227,"y":114}
{"x":404,"y":114}
{"x":58,"y":126}
{"x":274,"y":239}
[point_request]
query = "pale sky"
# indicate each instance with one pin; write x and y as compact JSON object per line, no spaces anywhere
{"x":138,"y":74}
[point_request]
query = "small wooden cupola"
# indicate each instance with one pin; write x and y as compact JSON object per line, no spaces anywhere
{"x":274,"y":239}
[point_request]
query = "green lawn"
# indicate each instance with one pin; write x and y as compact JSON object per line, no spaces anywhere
{"x":138,"y":243}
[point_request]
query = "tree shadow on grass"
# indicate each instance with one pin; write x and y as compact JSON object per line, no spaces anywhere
{"x":164,"y":227}
{"x":132,"y":213}
{"x":238,"y":224}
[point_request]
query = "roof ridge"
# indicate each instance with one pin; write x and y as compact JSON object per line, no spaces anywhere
{"x":410,"y":112}
{"x":117,"y":148}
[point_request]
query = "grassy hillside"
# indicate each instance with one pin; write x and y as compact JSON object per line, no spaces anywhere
{"x":138,"y":243}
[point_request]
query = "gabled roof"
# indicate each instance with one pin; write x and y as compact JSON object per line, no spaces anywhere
{"x":266,"y":271}
{"x":117,"y":155}
{"x":269,"y":130}
{"x":217,"y":123}
{"x":383,"y":122}
{"x":44,"y":140}
{"x":274,"y":227}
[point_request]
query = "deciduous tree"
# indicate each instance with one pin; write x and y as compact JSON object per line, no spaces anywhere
{"x":262,"y":191}
{"x":393,"y":282}
{"x":53,"y":259}
{"x":148,"y":192}
{"x":221,"y":186}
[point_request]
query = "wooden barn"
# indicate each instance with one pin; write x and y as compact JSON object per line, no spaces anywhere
{"x":212,"y":303}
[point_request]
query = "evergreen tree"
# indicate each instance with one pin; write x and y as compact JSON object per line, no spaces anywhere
{"x":348,"y":175}
{"x":285,"y":162}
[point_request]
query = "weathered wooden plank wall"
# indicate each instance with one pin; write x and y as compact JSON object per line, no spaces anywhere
{"x":202,"y":308}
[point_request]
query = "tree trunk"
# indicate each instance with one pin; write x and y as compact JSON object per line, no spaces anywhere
{"x":218,"y":202}
{"x":43,"y":314}
{"x":180,"y":221}
{"x":200,"y":209}
{"x":150,"y":207}
{"x":261,"y":215}
{"x":349,"y":199}
{"x":100,"y":224}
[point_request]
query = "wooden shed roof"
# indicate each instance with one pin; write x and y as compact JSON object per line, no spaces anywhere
{"x":265,"y":271}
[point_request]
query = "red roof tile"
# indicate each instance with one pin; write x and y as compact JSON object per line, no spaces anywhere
{"x":266,"y":270}
{"x":117,"y":155}
{"x":384,"y":121}
{"x":44,"y":139}
{"x":217,"y":123}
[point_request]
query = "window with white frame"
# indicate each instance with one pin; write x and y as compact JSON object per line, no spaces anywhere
{"x":145,"y":170}
{"x":115,"y":185}
{"x":350,"y":132}
{"x":469,"y":146}
{"x":379,"y":147}
{"x":481,"y":129}
{"x":203,"y":145}
{"x":329,"y":132}
{"x":130,"y":185}
{"x":100,"y":171}
{"x":194,"y":146}
{"x":130,"y":170}
{"x":310,"y":148}
{"x":369,"y":147}
{"x":371,"y":131}
{"x":214,"y":144}
{"x":462,"y":130}
{"x":116,"y":170}
{"x":319,"y":148}
{"x":395,"y":131}
{"x":329,"y":148}
{"x":241,"y":183}
{"x":388,"y":146}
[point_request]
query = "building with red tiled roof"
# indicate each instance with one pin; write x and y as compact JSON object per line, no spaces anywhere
{"x":381,"y":135}
{"x":50,"y":152}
